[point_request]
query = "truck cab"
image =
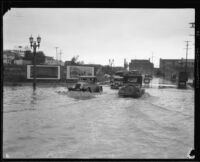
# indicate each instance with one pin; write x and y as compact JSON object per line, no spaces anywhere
{"x":86,"y":83}
{"x":132,"y":86}
{"x":182,"y":80}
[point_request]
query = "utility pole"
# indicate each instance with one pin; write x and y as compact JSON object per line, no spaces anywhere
{"x":187,"y":44}
{"x":193,"y":26}
{"x":111,"y":63}
{"x":60,"y":56}
{"x":193,"y":35}
{"x":56,"y":55}
{"x":112,"y":66}
{"x":152,"y":64}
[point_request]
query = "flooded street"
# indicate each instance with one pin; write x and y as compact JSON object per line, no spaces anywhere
{"x":54,"y":123}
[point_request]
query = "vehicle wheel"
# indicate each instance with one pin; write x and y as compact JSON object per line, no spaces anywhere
{"x":89,"y":90}
{"x":142,"y":91}
{"x":100,"y":89}
{"x":130,"y":89}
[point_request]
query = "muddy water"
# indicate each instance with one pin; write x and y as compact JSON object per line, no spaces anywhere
{"x":53,"y":123}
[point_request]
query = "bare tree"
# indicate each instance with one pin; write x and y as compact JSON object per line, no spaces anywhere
{"x":74,"y":60}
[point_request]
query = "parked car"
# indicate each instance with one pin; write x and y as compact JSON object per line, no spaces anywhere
{"x":132,"y":86}
{"x":86,"y":83}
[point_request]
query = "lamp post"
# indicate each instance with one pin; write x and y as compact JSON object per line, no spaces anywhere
{"x":34,"y":45}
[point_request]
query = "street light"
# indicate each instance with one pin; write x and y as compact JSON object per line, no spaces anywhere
{"x":34,"y":45}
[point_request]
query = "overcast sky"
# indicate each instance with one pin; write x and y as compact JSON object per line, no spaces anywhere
{"x":97,"y":35}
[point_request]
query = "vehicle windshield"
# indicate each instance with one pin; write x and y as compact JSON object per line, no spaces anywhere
{"x":78,"y":85}
{"x":133,"y":79}
{"x":88,"y":80}
{"x":148,"y":75}
{"x":118,"y":79}
{"x":119,"y":73}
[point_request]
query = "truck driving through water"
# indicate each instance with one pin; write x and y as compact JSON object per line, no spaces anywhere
{"x":86,"y":83}
{"x":132,"y":85}
{"x":182,"y":79}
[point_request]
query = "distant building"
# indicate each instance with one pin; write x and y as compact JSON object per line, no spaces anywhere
{"x":68,"y":63}
{"x":117,"y":68}
{"x":20,"y":50}
{"x":19,"y":53}
{"x":171,"y":67}
{"x":125,"y":64}
{"x":22,"y":62}
{"x":144,"y":66}
{"x":8,"y":57}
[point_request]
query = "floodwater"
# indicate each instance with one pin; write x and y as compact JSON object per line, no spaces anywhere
{"x":54,"y":123}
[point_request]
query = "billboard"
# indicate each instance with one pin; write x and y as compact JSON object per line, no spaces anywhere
{"x":44,"y":72}
{"x":73,"y":72}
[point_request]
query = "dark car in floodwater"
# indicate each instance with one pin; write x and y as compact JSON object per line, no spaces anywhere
{"x":132,"y":86}
{"x":86,"y":83}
